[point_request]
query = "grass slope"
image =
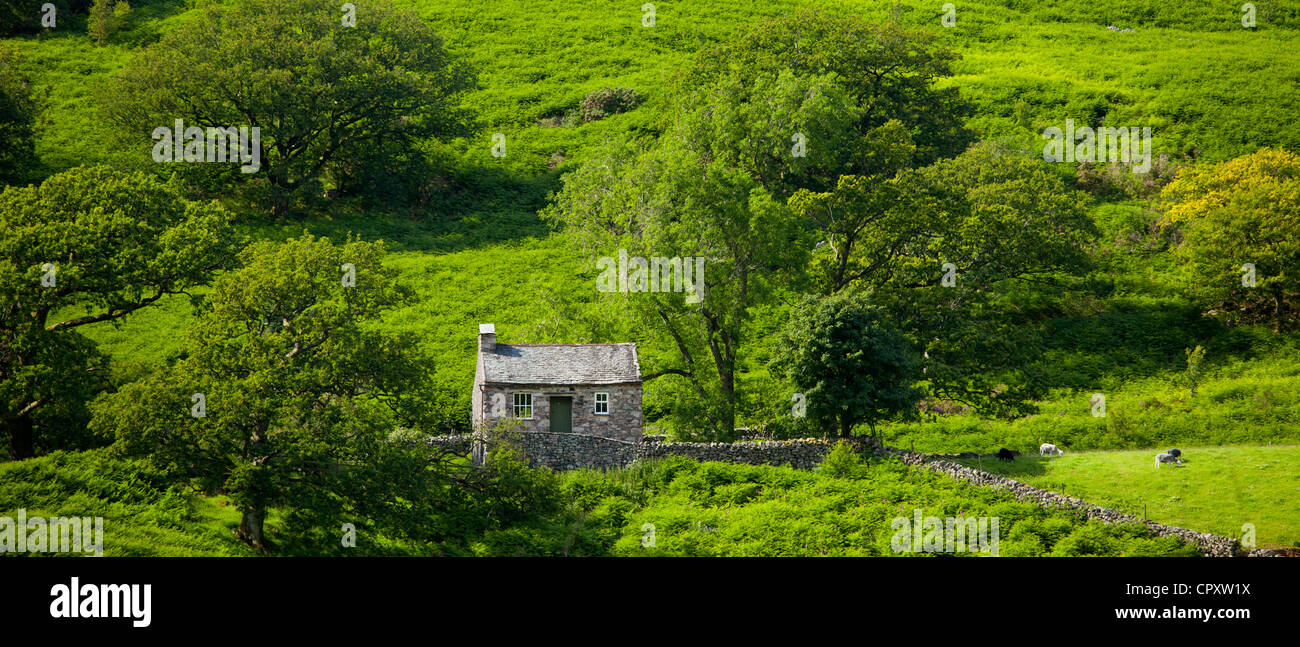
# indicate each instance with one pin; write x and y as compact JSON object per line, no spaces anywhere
{"x":1218,"y":489}
{"x":1243,"y":401}
{"x":847,"y":507}
{"x":1204,"y":83}
{"x":142,"y":516}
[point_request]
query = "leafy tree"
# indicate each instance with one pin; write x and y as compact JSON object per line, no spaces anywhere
{"x":981,"y":221}
{"x":783,"y":130}
{"x":297,"y":391}
{"x":18,"y":110}
{"x":324,"y":95}
{"x":887,"y":222}
{"x":1239,"y":212}
{"x":888,"y":72}
{"x":106,"y":18}
{"x":86,"y":246}
{"x":817,"y":117}
{"x":867,"y":222}
{"x":849,"y":363}
{"x":699,"y":192}
{"x":994,"y":216}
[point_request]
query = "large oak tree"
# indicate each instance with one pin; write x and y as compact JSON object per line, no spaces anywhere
{"x":1238,"y":222}
{"x":984,"y":221}
{"x":889,"y":74}
{"x":699,"y":191}
{"x":325,"y":96}
{"x":290,"y":391}
{"x":87,"y":246}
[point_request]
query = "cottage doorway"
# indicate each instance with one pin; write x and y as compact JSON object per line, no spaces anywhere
{"x":562,"y":414}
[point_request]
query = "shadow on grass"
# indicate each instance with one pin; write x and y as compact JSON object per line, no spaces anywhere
{"x":1024,"y":465}
{"x":146,"y":16}
{"x":488,"y":208}
{"x":1139,"y":341}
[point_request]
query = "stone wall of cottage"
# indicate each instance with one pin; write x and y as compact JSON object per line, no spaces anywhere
{"x":623,"y":422}
{"x":572,"y":451}
{"x":478,"y":409}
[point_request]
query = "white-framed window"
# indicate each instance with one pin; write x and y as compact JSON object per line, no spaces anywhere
{"x":602,"y":404}
{"x":523,"y":406}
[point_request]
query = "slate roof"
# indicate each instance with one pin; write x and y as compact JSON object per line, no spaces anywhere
{"x":566,"y":364}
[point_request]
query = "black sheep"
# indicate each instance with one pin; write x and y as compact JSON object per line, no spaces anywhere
{"x":1176,"y":453}
{"x":1005,"y":454}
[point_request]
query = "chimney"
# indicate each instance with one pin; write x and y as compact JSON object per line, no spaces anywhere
{"x":487,"y":338}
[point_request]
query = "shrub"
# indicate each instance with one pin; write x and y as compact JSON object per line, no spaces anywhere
{"x":843,"y":462}
{"x":1192,"y":376}
{"x":608,"y":101}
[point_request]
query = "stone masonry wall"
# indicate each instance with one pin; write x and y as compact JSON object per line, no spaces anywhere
{"x":571,"y":451}
{"x":623,"y":422}
{"x":804,"y":453}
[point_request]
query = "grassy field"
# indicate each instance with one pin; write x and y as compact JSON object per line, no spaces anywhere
{"x":709,"y":509}
{"x":142,"y":517}
{"x":849,"y":507}
{"x":1218,"y":489}
{"x":1242,"y":402}
{"x":1204,"y":84}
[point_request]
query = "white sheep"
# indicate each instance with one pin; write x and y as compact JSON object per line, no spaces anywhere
{"x":1048,"y":449}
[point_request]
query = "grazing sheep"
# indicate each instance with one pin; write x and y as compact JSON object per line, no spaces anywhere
{"x":1048,"y":449}
{"x":1167,"y":458}
{"x":1008,"y":455}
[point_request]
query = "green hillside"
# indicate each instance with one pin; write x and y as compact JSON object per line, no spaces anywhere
{"x":481,"y":238}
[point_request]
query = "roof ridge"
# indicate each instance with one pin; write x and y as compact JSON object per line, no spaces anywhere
{"x":617,"y":343}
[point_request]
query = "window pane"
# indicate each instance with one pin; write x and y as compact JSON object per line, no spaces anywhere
{"x":523,"y":406}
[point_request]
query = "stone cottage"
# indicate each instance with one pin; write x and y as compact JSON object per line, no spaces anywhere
{"x":592,"y":389}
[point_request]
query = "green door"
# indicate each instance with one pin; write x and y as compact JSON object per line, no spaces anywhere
{"x":562,"y":414}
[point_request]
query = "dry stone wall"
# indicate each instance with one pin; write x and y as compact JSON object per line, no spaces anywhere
{"x":572,"y":451}
{"x":564,"y":451}
{"x":456,"y":443}
{"x":804,"y":453}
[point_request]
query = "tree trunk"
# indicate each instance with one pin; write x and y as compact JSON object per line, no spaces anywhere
{"x":22,"y":438}
{"x":250,"y":526}
{"x":723,"y":359}
{"x":729,"y":414}
{"x":1277,"y":312}
{"x":846,"y":427}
